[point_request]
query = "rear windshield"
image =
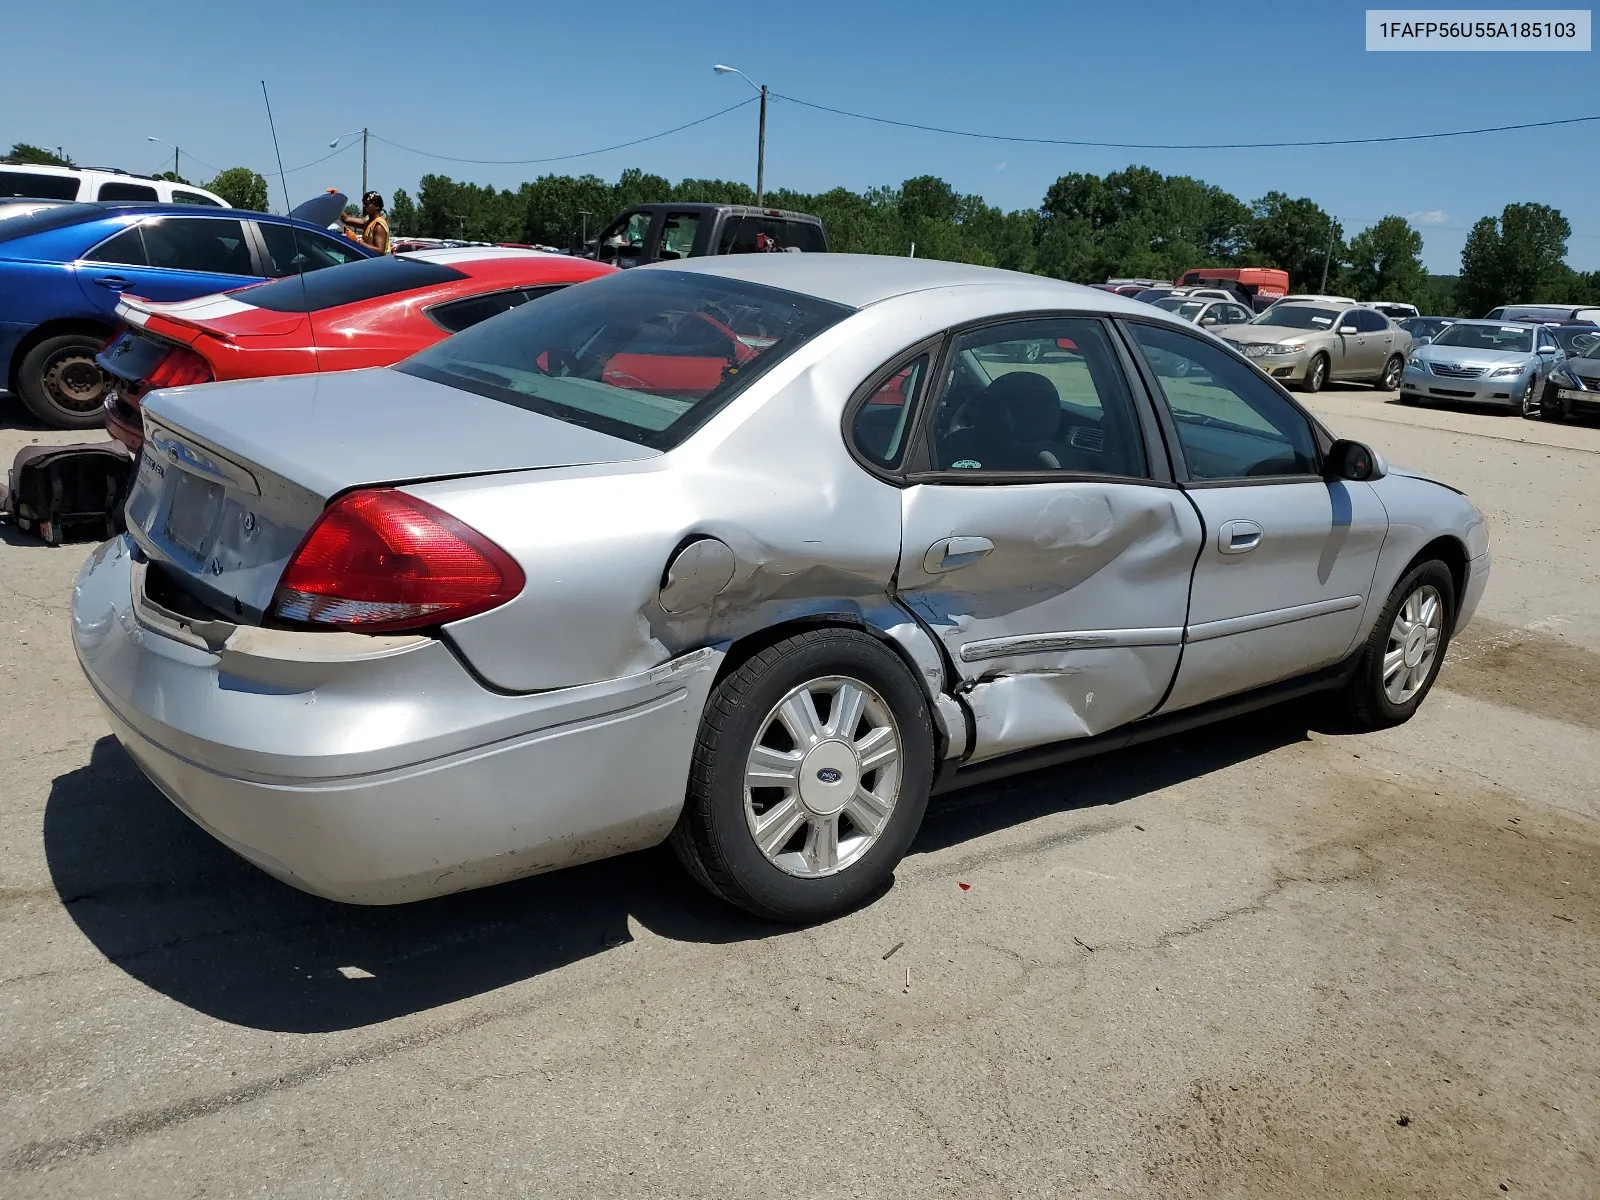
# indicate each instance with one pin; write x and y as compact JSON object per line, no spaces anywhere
{"x":1515,"y":338}
{"x":1151,"y":295}
{"x":746,"y":233}
{"x":366,"y":279}
{"x":42,"y":220}
{"x":1532,"y":312}
{"x":38,"y":186}
{"x":1298,"y":316}
{"x":647,"y":356}
{"x":1580,"y":341}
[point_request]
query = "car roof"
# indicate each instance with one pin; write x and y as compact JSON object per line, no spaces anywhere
{"x":95,"y":210}
{"x":858,"y":280}
{"x":743,"y":210}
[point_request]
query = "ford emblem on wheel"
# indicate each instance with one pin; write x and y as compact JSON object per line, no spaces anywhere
{"x":829,"y":775}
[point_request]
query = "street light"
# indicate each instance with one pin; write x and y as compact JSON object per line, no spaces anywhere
{"x":761,"y":138}
{"x":352,"y":133}
{"x":175,"y":151}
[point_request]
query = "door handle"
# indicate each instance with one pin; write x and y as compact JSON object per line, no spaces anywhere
{"x":1238,"y":537}
{"x":955,"y":552}
{"x":115,"y":282}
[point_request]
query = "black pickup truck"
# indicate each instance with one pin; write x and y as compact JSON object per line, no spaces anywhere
{"x":655,"y":232}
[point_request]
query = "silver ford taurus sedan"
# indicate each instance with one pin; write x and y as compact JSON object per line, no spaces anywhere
{"x":751,"y":553}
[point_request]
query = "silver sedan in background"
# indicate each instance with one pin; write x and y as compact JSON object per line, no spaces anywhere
{"x":1306,"y":345}
{"x":753,"y":554}
{"x":1485,"y":362}
{"x":1205,"y":311}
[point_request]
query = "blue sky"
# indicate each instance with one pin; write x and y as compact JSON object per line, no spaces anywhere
{"x":494,"y":80}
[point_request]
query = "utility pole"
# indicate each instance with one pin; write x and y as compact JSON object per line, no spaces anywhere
{"x":761,"y":150}
{"x":363,"y":161}
{"x":583,"y":215}
{"x":175,"y":153}
{"x":1326,"y":259}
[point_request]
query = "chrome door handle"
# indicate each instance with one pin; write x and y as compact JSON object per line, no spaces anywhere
{"x":955,"y":552}
{"x":115,"y":282}
{"x":1238,"y":537}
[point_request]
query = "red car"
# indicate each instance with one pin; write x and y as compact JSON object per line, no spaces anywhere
{"x":365,"y":314}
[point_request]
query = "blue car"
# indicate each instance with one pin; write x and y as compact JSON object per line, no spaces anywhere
{"x":63,"y":268}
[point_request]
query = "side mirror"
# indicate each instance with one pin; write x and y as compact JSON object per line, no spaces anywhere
{"x":1423,"y":340}
{"x":1350,"y":460}
{"x":1209,"y":321}
{"x":1547,"y":351}
{"x":1346,"y":329}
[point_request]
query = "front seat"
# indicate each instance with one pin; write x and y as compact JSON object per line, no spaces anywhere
{"x":1012,"y":426}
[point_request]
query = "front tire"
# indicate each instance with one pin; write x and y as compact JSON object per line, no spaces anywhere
{"x":61,"y":383}
{"x":1402,"y":656}
{"x":811,"y":773}
{"x":1316,"y":375}
{"x":1531,"y":409}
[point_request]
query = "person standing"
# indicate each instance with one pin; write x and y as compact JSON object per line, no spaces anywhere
{"x":374,"y":226}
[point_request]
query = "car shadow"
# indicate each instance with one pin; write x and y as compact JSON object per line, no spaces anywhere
{"x":185,"y":916}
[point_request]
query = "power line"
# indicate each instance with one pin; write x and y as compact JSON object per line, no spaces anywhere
{"x":1043,"y":141}
{"x":504,"y":162}
{"x":323,"y":159}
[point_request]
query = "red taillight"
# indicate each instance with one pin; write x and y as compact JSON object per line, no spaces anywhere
{"x":383,"y":560}
{"x":179,"y":366}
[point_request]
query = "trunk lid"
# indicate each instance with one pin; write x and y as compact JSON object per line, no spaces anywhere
{"x":234,"y":474}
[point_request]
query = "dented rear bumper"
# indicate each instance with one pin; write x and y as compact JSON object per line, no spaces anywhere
{"x":378,"y":770}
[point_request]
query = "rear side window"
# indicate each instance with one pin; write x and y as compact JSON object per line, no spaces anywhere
{"x":646,"y":356}
{"x":881,"y":426}
{"x":179,"y":196}
{"x":749,"y":234}
{"x":1370,"y":321}
{"x":126,"y":249}
{"x":678,"y":232}
{"x":38,"y":186}
{"x":363,"y":279}
{"x":215,"y":246}
{"x":294,"y":251}
{"x":127,"y":191}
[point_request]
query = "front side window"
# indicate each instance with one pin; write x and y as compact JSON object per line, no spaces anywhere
{"x":881,"y":426}
{"x":1037,"y":396}
{"x":38,"y":186}
{"x":126,"y":249}
{"x":457,"y":315}
{"x":647,"y":356}
{"x":127,"y":191}
{"x":216,"y":246}
{"x":294,"y":251}
{"x":1232,"y":424}
{"x":678,"y":233}
{"x":623,"y":245}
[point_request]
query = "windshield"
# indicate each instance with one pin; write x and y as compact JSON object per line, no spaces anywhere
{"x":1151,"y":295}
{"x":1514,"y":338}
{"x":648,"y":356}
{"x":1298,"y":316}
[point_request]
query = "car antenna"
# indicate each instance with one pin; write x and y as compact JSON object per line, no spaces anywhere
{"x":288,"y":212}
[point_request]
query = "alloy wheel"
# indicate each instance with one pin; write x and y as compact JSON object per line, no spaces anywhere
{"x":1391,"y":375}
{"x":823,"y":777}
{"x":1413,"y":644}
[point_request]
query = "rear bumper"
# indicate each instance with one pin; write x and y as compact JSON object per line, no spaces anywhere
{"x":378,"y":770}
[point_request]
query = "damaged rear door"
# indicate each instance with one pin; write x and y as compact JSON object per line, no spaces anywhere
{"x":1038,"y":543}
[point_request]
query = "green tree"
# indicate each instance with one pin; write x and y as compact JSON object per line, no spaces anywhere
{"x":1386,"y":263}
{"x":172,"y":177}
{"x":402,"y":214}
{"x":1519,"y":259}
{"x":1295,"y":234}
{"x":241,"y":187}
{"x":38,"y":156}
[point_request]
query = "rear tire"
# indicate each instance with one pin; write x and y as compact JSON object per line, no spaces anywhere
{"x":1389,"y":381}
{"x":61,"y":383}
{"x":1397,"y":667}
{"x":1316,"y":375}
{"x":814,"y":860}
